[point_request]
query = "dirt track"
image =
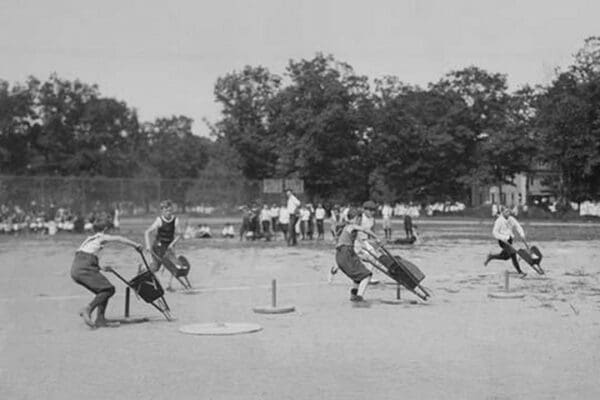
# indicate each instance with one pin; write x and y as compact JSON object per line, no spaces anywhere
{"x":460,"y":345}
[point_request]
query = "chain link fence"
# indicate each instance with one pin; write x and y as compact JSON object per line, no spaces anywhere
{"x":205,"y":195}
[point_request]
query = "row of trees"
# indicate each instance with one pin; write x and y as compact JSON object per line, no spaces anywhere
{"x":324,"y":123}
{"x":61,"y":127}
{"x":348,"y":137}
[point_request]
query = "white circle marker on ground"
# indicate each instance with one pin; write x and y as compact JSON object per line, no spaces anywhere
{"x":219,"y":328}
{"x":274,"y":310}
{"x":506,"y":295}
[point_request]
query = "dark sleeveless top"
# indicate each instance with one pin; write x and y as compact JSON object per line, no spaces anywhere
{"x":166,"y":231}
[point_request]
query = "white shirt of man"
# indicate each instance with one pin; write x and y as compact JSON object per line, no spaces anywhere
{"x":265,"y":215}
{"x":304,"y":214}
{"x":284,"y":216}
{"x":320,"y":213}
{"x":292,"y":204}
{"x":344,"y":214}
{"x":387,"y":211}
{"x":504,"y":228}
{"x":274,"y":212}
{"x":367,"y":222}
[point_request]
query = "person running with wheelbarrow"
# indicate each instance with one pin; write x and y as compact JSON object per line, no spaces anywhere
{"x":168,"y":234}
{"x":348,"y":261}
{"x":86,"y":272}
{"x":504,"y":231}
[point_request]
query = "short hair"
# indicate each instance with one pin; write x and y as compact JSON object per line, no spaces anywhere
{"x":166,"y":203}
{"x":352,"y":213}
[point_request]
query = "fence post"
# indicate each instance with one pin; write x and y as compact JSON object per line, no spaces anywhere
{"x":159,"y":190}
{"x":121,"y":190}
{"x":43,"y":191}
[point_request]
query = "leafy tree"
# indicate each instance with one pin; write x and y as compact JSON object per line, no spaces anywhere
{"x":245,"y":97}
{"x":569,"y":128}
{"x":499,"y":143}
{"x":319,"y":124}
{"x":17,"y":120}
{"x":417,"y":135}
{"x":174,"y":152}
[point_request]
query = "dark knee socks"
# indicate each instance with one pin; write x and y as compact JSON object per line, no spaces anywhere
{"x":516,"y":263}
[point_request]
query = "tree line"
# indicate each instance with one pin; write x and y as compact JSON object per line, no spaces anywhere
{"x":348,"y":136}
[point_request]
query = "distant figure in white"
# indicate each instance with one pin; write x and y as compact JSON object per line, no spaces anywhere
{"x":504,"y":231}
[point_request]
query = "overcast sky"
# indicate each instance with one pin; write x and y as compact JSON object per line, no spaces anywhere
{"x":163,"y":58}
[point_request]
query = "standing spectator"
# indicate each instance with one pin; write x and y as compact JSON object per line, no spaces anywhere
{"x":51,"y":215}
{"x":310,"y":226}
{"x":386,"y":213}
{"x":255,"y":222}
{"x":408,"y":226}
{"x":304,"y":218}
{"x":265,"y":222}
{"x":116,"y":218}
{"x":284,"y":221}
{"x":246,"y":221}
{"x":292,"y":206}
{"x":274,"y":212}
{"x":320,"y":218}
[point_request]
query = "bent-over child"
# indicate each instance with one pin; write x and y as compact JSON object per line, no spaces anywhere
{"x":348,"y":261}
{"x":85,"y":271}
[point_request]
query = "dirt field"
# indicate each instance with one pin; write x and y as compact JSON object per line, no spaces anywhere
{"x":461,"y":344}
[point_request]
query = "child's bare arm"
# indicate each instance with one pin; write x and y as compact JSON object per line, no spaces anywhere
{"x":122,"y":240}
{"x":367,"y":231}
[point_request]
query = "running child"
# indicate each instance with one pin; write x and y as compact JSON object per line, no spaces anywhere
{"x":168,"y":234}
{"x":348,"y":261}
{"x":504,"y":231}
{"x":86,"y":272}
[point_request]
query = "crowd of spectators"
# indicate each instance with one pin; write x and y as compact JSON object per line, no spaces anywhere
{"x":50,"y":219}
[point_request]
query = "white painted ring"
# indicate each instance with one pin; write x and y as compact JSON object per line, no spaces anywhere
{"x":506,"y":295}
{"x":219,"y":328}
{"x":274,"y":310}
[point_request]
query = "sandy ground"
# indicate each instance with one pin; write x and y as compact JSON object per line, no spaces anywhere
{"x":461,"y":344}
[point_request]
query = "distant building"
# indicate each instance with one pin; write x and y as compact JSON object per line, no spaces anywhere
{"x":527,"y":189}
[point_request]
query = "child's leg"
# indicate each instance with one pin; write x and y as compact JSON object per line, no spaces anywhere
{"x":102,"y":304}
{"x":506,"y":253}
{"x":362,"y":286}
{"x":515,"y":263}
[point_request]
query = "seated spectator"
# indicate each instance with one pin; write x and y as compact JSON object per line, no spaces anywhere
{"x":203,"y":232}
{"x":228,"y":231}
{"x":88,"y":226}
{"x":52,"y":227}
{"x":189,"y":232}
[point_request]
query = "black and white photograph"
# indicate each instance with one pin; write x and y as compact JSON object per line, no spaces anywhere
{"x":299,"y":199}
